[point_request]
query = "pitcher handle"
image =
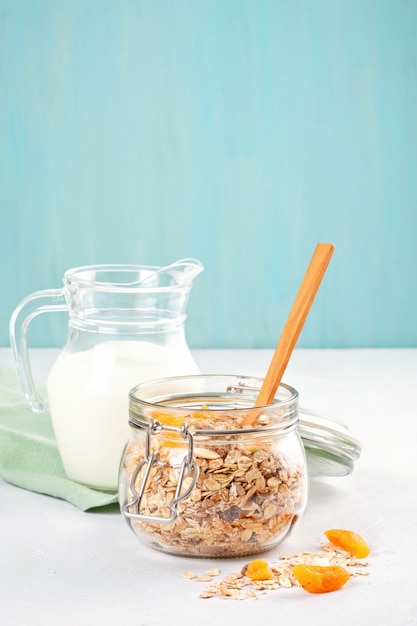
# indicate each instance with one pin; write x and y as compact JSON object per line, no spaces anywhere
{"x":39,"y":302}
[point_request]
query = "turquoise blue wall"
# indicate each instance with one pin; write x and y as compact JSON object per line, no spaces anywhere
{"x":240,"y":132}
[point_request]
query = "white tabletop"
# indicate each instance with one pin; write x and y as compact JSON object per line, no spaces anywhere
{"x":64,"y":567}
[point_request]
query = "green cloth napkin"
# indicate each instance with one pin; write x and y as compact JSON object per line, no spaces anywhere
{"x":29,"y":456}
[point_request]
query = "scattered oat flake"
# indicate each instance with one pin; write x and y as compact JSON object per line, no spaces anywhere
{"x":361,"y":572}
{"x":238,"y":586}
{"x":213,"y":571}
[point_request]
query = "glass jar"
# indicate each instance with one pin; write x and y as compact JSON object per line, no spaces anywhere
{"x":194,"y":482}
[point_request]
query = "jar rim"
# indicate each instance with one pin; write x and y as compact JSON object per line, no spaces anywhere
{"x":243,"y":388}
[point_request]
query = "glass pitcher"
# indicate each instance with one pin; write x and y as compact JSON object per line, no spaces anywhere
{"x":126,"y":325}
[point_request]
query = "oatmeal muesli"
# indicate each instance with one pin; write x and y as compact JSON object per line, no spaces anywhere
{"x":246,"y":498}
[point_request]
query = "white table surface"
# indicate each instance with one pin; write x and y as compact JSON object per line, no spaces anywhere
{"x":61,"y":566}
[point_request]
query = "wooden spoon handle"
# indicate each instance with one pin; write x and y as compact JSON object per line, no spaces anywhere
{"x":293,"y":326}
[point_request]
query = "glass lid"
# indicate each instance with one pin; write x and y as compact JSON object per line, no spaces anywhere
{"x":330,"y":448}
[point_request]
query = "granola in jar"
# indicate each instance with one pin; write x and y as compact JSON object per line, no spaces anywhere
{"x":194,"y":482}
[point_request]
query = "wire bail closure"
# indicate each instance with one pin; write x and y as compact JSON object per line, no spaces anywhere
{"x":151,"y":459}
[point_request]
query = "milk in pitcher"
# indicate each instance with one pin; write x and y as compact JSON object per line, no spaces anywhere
{"x":125,"y":326}
{"x":88,"y":393}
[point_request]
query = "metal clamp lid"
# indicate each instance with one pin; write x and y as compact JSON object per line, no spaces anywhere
{"x":152,"y":458}
{"x":330,"y":448}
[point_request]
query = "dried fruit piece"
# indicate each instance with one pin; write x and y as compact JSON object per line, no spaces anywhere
{"x":349,"y":541}
{"x":320,"y":578}
{"x":202,"y":416}
{"x":168,"y":419}
{"x":257,"y":570}
{"x":172,"y":440}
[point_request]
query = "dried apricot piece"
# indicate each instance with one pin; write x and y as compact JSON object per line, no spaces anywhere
{"x":199,"y":415}
{"x":349,"y":541}
{"x":258,"y":570}
{"x":172,"y":439}
{"x":320,"y":578}
{"x":167,"y":419}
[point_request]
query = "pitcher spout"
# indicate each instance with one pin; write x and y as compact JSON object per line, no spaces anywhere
{"x":179,"y":273}
{"x":187,"y":269}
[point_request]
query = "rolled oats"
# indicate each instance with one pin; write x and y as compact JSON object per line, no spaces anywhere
{"x":229,"y":511}
{"x":246,"y":498}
